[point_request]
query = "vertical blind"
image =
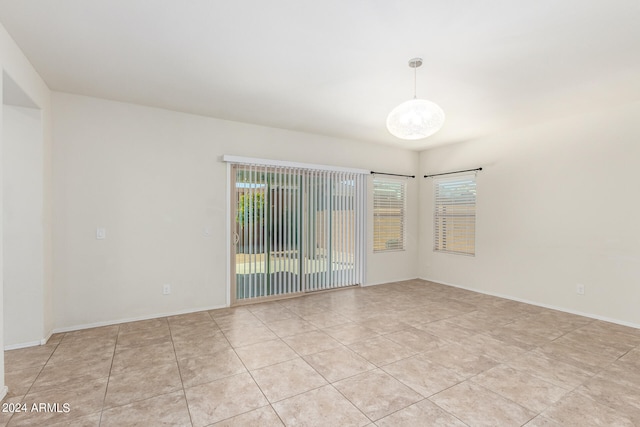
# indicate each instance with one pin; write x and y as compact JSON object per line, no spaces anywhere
{"x":455,"y":215}
{"x":389,"y":199}
{"x":296,"y":230}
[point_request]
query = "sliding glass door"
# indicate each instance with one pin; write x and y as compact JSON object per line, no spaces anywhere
{"x":294,"y":230}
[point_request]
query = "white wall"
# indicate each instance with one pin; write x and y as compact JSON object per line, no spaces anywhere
{"x":14,"y":64}
{"x":153,"y":178}
{"x":557,"y":205}
{"x":22,"y":226}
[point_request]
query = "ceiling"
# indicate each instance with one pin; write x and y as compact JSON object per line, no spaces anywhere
{"x":338,"y":67}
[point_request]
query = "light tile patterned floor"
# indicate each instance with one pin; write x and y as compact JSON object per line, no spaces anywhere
{"x":413,"y":353}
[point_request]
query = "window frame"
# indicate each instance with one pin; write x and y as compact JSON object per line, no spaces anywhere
{"x":379,"y":183}
{"x":460,"y":235}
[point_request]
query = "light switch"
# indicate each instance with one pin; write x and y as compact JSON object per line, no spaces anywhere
{"x":101,"y":233}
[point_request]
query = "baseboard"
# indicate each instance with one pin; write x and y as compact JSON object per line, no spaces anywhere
{"x":388,"y":282}
{"x":538,"y":304}
{"x":133,"y":319}
{"x":23,"y":345}
{"x":44,"y":340}
{"x":3,"y":392}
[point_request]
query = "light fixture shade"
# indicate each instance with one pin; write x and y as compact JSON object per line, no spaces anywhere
{"x":415,"y":119}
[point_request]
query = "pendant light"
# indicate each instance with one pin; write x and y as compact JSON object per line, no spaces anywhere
{"x":416,"y":118}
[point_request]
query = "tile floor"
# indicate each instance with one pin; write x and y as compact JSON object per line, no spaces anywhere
{"x":413,"y":353}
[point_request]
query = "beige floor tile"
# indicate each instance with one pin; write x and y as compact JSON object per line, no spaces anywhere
{"x":583,"y":358}
{"x":632,"y":357}
{"x":92,"y":420}
{"x":239,"y":320}
{"x":338,"y":363}
{"x":446,"y":330}
{"x":55,"y":339}
{"x":477,"y":406}
{"x":615,"y":393}
{"x":228,"y":311}
{"x":311,"y":342}
{"x":224,"y":398}
{"x":7,"y":412}
{"x":528,"y":391}
{"x":184,"y":332}
{"x":377,"y":394}
{"x":84,"y":398}
{"x":26,"y":358}
{"x":576,"y":410}
{"x":542,"y":366}
{"x":565,"y":322}
{"x":422,"y":375}
{"x":133,"y":359}
{"x":417,"y":340}
{"x":599,"y":343}
{"x":383,"y":324}
{"x":200,"y":347}
{"x":623,"y":372}
{"x":423,"y":413}
{"x":381,"y":351}
{"x":521,"y":339}
{"x":541,"y":421}
{"x":142,"y":325}
{"x":285,"y":328}
{"x":437,"y":342}
{"x":321,"y":407}
{"x":79,"y":352}
{"x":128,"y":387}
{"x":205,"y":369}
{"x":276,"y":313}
{"x":491,"y":347}
{"x":350,"y":333}
{"x":141,"y":338}
{"x":250,"y":335}
{"x":165,"y":410}
{"x":611,"y":329}
{"x":103,"y":333}
{"x":19,"y":382}
{"x":531,"y":325}
{"x":265,"y":353}
{"x":287,"y":379}
{"x":54,"y":376}
{"x":190,"y":318}
{"x":460,"y":360}
{"x":325,"y":319}
{"x":263,"y":417}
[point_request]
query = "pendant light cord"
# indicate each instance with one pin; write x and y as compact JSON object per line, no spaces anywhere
{"x":414,"y":83}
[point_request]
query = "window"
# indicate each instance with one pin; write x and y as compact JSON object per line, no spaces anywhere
{"x":388,"y":214}
{"x":455,"y":215}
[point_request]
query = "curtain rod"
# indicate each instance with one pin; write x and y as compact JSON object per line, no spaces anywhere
{"x":449,"y":173}
{"x":392,"y":174}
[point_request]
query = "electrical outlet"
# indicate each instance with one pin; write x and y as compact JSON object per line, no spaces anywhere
{"x":101,"y":233}
{"x":166,"y":289}
{"x":580,"y":289}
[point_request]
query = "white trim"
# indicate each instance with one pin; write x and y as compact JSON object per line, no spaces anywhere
{"x":44,"y":340}
{"x":537,"y":304}
{"x":3,"y":392}
{"x":281,"y":163}
{"x":134,"y":319}
{"x":388,"y":282}
{"x":23,"y":345}
{"x":228,"y":231}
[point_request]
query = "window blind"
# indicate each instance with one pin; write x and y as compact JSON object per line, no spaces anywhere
{"x":296,"y":230}
{"x":389,"y":201}
{"x":455,"y":215}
